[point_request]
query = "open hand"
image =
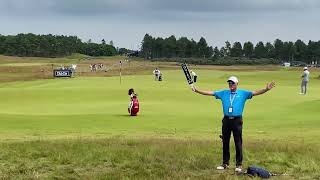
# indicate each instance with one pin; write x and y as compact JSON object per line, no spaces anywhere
{"x":270,"y":85}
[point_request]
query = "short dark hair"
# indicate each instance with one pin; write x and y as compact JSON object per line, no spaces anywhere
{"x":131,"y":90}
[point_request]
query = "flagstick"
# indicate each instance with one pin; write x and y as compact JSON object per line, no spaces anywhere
{"x":120,"y":70}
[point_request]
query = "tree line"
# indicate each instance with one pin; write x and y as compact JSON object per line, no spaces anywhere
{"x":51,"y":46}
{"x":171,"y":47}
{"x":184,"y":48}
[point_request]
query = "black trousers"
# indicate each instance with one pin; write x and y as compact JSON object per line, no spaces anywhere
{"x":234,"y":125}
{"x":195,"y":78}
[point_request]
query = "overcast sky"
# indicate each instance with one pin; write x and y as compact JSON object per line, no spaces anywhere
{"x":127,"y":21}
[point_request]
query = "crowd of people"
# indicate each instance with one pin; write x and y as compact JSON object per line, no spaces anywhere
{"x":71,"y":68}
{"x":96,"y":67}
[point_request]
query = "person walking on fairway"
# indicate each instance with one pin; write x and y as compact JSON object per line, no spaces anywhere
{"x":233,"y":101}
{"x":305,"y":80}
{"x":156,"y":74}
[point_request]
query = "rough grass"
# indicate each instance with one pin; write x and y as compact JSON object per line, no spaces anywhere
{"x":34,"y":68}
{"x":122,"y":158}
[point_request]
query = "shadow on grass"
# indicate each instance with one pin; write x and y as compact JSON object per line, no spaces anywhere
{"x":124,"y":115}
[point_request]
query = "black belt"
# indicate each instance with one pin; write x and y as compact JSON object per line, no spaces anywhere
{"x":232,"y":117}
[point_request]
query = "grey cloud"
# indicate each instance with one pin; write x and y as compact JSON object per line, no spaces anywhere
{"x":145,"y":8}
{"x":69,"y":7}
{"x":235,"y":5}
{"x":126,"y":21}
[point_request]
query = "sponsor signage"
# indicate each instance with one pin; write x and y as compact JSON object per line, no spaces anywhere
{"x":62,"y":73}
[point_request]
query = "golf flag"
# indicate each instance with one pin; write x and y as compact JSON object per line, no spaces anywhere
{"x":187,"y":73}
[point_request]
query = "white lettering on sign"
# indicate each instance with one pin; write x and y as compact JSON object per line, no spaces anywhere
{"x":62,"y":73}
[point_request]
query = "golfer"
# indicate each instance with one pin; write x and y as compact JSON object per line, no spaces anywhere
{"x":305,"y":80}
{"x":233,"y":100}
{"x":156,"y":74}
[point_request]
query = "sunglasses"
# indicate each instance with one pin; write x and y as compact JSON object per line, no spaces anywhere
{"x":231,"y":83}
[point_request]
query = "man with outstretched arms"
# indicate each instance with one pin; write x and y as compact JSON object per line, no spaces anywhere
{"x":233,"y":101}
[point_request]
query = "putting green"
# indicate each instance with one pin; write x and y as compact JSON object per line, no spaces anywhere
{"x":97,"y":107}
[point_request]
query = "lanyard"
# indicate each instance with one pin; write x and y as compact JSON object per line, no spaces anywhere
{"x":233,"y":97}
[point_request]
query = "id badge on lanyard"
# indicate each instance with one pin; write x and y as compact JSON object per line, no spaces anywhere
{"x":230,"y":110}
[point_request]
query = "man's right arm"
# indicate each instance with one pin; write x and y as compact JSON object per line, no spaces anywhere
{"x":203,"y":92}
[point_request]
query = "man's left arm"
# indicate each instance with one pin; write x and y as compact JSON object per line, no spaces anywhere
{"x":262,"y":91}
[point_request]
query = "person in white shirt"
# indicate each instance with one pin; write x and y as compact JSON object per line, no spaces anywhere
{"x":156,"y":73}
{"x":305,"y":80}
{"x":193,"y":75}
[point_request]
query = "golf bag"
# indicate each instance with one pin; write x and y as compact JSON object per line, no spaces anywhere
{"x":257,"y":171}
{"x":134,"y":108}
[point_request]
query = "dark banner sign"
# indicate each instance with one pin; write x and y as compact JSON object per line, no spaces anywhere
{"x":62,"y":73}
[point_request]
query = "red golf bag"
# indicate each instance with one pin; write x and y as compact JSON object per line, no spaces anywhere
{"x":134,"y":106}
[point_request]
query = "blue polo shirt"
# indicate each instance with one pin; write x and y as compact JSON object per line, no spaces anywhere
{"x":237,"y":98}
